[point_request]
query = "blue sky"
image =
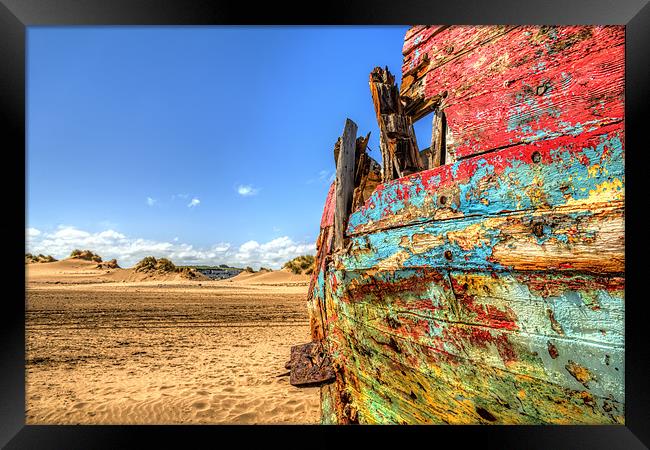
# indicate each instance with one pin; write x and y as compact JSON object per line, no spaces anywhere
{"x":204,"y":144}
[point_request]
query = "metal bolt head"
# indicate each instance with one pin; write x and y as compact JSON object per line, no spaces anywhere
{"x":538,"y":229}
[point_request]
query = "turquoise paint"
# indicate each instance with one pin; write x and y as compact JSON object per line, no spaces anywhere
{"x":566,"y":175}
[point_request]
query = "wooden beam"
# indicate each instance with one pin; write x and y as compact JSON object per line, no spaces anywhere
{"x":400,"y":154}
{"x":344,"y":181}
{"x":437,"y":155}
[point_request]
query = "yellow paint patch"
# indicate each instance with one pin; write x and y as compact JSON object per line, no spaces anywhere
{"x":396,"y":260}
{"x":594,"y":170}
{"x":606,"y":190}
{"x":421,"y":242}
{"x":471,"y":237}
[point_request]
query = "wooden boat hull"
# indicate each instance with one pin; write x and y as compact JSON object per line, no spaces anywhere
{"x":491,"y":289}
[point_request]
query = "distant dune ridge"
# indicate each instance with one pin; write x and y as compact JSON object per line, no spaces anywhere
{"x":85,"y":266}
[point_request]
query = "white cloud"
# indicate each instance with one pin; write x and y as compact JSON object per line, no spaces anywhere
{"x":32,"y":232}
{"x":151,"y":201}
{"x":128,"y":250}
{"x":273,"y":253}
{"x":246,"y":190}
{"x":194,"y":202}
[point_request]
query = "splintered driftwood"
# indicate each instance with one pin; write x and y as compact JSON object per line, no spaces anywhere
{"x":310,"y":365}
{"x":344,"y":180}
{"x":399,"y":148}
{"x":367,"y":174}
{"x":365,"y":177}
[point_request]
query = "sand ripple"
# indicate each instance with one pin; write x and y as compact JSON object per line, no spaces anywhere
{"x":119,"y":356}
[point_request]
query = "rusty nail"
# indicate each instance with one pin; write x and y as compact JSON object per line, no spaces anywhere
{"x":443,"y":199}
{"x":541,"y":89}
{"x":538,"y":229}
{"x":449,"y":49}
{"x":537,"y":157}
{"x":448,"y":255}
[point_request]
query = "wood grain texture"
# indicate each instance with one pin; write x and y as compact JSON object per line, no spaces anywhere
{"x":344,"y":181}
{"x":564,"y":239}
{"x":400,"y":154}
{"x":406,"y":383}
{"x":582,"y":306}
{"x":510,"y":349}
{"x":512,"y":85}
{"x":565,"y":171}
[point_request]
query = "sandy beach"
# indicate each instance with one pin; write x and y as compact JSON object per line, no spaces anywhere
{"x":114,"y":347}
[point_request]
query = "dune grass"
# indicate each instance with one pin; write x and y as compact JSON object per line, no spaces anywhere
{"x":301,"y":265}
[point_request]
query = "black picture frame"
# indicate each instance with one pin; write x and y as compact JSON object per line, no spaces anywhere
{"x":16,"y":15}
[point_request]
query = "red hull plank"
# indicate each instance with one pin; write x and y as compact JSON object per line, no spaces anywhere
{"x":526,"y":84}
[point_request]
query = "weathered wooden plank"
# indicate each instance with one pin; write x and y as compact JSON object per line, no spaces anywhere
{"x":574,"y":306}
{"x":400,"y":154}
{"x":554,"y":102}
{"x":444,"y":46}
{"x":438,"y":145}
{"x":414,"y":385}
{"x":563,"y":239}
{"x":542,"y":357}
{"x":507,"y":53}
{"x":315,"y":294}
{"x":344,"y":182}
{"x":498,"y":340}
{"x":418,"y":35}
{"x":565,"y":171}
{"x":367,"y":174}
{"x":531,"y":83}
{"x":328,"y":411}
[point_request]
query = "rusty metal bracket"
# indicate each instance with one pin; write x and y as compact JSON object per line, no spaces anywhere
{"x":310,"y":365}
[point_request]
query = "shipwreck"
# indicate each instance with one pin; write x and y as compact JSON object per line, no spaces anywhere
{"x":480,"y":279}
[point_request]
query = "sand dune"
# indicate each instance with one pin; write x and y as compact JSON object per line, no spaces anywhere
{"x":73,"y":270}
{"x":273,"y":277}
{"x":101,"y":351}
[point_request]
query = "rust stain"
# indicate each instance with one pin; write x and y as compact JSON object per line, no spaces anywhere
{"x":554,"y":323}
{"x":580,"y":373}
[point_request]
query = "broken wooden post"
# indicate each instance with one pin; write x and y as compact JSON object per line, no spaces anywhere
{"x":399,"y":148}
{"x":438,"y":152}
{"x":344,"y":181}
